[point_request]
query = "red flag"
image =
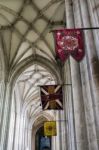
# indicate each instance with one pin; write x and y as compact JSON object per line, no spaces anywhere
{"x":69,"y":42}
{"x":52,"y":97}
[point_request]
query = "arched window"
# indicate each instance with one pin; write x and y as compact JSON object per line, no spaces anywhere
{"x":42,"y":142}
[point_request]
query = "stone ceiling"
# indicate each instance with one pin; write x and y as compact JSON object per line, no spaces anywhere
{"x":25,"y":27}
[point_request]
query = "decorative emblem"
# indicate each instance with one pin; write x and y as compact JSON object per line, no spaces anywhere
{"x":69,"y":42}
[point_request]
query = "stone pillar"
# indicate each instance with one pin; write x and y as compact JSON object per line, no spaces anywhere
{"x":11,"y":136}
{"x":21,"y":131}
{"x":92,"y":65}
{"x":78,"y":103}
{"x":89,"y":113}
{"x":57,"y":137}
{"x":2,"y":84}
{"x":2,"y":94}
{"x":26,"y":143}
{"x":5,"y":117}
{"x":93,"y":7}
{"x":68,"y":113}
{"x":4,"y":99}
{"x":62,"y":131}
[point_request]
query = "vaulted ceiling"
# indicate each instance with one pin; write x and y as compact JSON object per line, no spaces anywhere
{"x":25,"y":27}
{"x":27,"y":88}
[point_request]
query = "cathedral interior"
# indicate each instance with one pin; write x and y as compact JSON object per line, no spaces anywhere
{"x":28,"y":60}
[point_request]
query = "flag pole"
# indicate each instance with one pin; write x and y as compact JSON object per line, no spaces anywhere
{"x":56,"y":121}
{"x":86,"y":28}
{"x":89,"y":28}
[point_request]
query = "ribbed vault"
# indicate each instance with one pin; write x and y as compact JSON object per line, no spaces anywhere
{"x":27,"y":89}
{"x":30,"y":60}
{"x":27,"y":103}
{"x":25,"y":27}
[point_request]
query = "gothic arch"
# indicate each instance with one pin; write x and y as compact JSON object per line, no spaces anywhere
{"x":38,"y":123}
{"x":53,"y":68}
{"x":21,"y":115}
{"x":48,"y":65}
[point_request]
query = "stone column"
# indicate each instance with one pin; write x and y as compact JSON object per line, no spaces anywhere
{"x":93,"y":9}
{"x":89,"y":113}
{"x":68,"y":113}
{"x":57,"y":137}
{"x":92,"y":63}
{"x":11,"y":132}
{"x":2,"y":94}
{"x":5,"y":116}
{"x":62,"y":131}
{"x":26,"y":132}
{"x":2,"y":84}
{"x":78,"y":103}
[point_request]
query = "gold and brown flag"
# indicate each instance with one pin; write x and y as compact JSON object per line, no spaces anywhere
{"x":52,"y":97}
{"x":50,"y":128}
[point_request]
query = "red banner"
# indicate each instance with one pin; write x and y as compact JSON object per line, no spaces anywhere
{"x":69,"y":42}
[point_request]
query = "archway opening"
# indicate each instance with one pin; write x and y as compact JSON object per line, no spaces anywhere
{"x":42,"y":142}
{"x":28,"y":106}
